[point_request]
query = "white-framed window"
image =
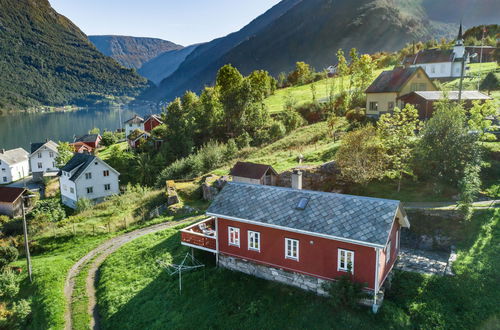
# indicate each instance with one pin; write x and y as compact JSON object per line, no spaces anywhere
{"x":4,"y":179}
{"x":72,"y":190}
{"x":388,"y":252}
{"x":234,"y":236}
{"x":51,"y":154}
{"x":291,"y":249}
{"x":90,"y":190}
{"x":345,"y":261}
{"x":253,"y":240}
{"x":107,"y":186}
{"x":88,"y":176}
{"x":53,"y":164}
{"x":39,"y":155}
{"x":40,"y":165}
{"x":105,"y":173}
{"x":373,"y":106}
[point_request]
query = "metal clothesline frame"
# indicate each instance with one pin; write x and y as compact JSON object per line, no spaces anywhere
{"x":174,"y":269}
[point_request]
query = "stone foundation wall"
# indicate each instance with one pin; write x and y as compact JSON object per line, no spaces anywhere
{"x":302,"y":281}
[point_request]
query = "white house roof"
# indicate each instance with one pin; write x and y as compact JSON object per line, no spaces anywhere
{"x":14,"y":156}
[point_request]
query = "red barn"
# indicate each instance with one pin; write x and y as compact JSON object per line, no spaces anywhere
{"x":299,"y":237}
{"x":151,"y":122}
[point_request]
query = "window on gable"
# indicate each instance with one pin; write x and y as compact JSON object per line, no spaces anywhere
{"x":88,"y":176}
{"x":291,"y":249}
{"x":234,"y":236}
{"x":345,"y":261}
{"x":253,"y":240}
{"x":72,"y":190}
{"x":105,"y":173}
{"x":51,"y":154}
{"x":388,"y":253}
{"x":39,"y":155}
{"x":90,"y":190}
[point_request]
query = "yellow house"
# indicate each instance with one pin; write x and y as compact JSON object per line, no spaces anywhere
{"x":382,"y":95}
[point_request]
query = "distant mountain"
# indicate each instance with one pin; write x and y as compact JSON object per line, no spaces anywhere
{"x":132,"y":52}
{"x":165,"y":64}
{"x":46,"y":59}
{"x":313,"y":30}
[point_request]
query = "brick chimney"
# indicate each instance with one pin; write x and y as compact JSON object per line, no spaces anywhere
{"x":296,"y":179}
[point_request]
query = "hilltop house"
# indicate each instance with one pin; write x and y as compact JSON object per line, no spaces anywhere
{"x":301,"y":238}
{"x":139,"y":123}
{"x":151,"y":122}
{"x":254,"y":173}
{"x":383,"y":94}
{"x":86,"y":176}
{"x":137,"y":137}
{"x":14,"y":165}
{"x":441,"y":63}
{"x":92,"y":140}
{"x":82,"y":148}
{"x":43,"y":159}
{"x":11,"y":201}
{"x":424,"y":101}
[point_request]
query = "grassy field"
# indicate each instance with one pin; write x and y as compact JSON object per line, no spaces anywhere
{"x":134,"y":293}
{"x":476,"y":74}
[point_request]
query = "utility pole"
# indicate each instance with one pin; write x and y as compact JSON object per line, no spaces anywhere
{"x":461,"y":78}
{"x":26,"y":243}
{"x":481,"y":58}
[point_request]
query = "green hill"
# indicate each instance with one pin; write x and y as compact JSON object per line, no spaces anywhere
{"x":48,"y":60}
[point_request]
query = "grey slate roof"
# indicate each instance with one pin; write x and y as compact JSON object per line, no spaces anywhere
{"x":50,"y":144}
{"x":87,"y":138}
{"x":14,"y":156}
{"x":135,"y":120}
{"x":82,"y":160}
{"x":363,"y":219}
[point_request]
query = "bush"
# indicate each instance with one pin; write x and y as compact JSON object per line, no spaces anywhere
{"x":109,"y":138}
{"x":9,"y":284}
{"x":8,"y":254}
{"x":291,"y":119}
{"x":355,"y":115}
{"x":83,"y":204}
{"x":4,"y":219}
{"x":21,"y":310}
{"x":277,"y":130}
{"x":312,"y":112}
{"x":344,"y":292}
{"x":243,"y":141}
{"x":48,"y":210}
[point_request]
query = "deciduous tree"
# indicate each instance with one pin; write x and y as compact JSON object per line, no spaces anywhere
{"x":64,"y":154}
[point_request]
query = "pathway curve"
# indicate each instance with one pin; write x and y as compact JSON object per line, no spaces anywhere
{"x":97,"y":256}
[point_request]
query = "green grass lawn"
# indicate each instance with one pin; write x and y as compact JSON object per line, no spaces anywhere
{"x":303,"y":94}
{"x":105,"y":152}
{"x":134,"y":293}
{"x":475,"y":75}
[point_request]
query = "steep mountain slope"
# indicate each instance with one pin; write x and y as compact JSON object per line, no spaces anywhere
{"x":314,"y":30}
{"x":46,"y":59}
{"x":132,"y":52}
{"x":165,"y":64}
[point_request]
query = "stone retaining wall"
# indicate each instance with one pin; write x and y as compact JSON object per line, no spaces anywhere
{"x":302,"y":281}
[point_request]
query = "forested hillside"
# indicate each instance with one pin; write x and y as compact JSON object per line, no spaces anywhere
{"x":132,"y":52}
{"x":48,"y":60}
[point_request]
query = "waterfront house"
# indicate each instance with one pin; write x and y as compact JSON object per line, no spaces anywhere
{"x":14,"y":165}
{"x":300,"y":237}
{"x":423,"y":101}
{"x":254,"y":173}
{"x":11,"y":201}
{"x":43,"y":159}
{"x":136,"y":122}
{"x":91,"y":140}
{"x":382,"y":96}
{"x":87,"y":176}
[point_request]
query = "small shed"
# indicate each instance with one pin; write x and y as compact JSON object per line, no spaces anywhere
{"x":424,"y":100}
{"x":246,"y":172}
{"x":11,"y":201}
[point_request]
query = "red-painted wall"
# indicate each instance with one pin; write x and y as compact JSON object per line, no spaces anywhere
{"x":317,"y":256}
{"x":385,"y":266}
{"x":150,"y":124}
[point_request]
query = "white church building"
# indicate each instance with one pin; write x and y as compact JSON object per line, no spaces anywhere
{"x":439,"y":63}
{"x":86,"y":176}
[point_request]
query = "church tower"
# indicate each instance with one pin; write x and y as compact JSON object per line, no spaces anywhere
{"x":459,"y":48}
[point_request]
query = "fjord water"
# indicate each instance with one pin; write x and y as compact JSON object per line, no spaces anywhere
{"x":19,"y":130}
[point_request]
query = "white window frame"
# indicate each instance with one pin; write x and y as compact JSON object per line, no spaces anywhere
{"x":39,"y":165}
{"x":236,"y":241}
{"x":39,"y":155}
{"x":254,"y":237}
{"x":51,"y":154}
{"x":346,"y":254}
{"x":294,"y":244}
{"x":90,"y":190}
{"x":72,"y":190}
{"x":105,"y":173}
{"x":388,"y":252}
{"x":107,"y":187}
{"x":88,"y":176}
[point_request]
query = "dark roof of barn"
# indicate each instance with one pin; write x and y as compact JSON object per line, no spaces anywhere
{"x":78,"y":160}
{"x":391,"y":81}
{"x":250,"y":170}
{"x":87,"y":138}
{"x":429,"y":56}
{"x":10,"y":194}
{"x":360,"y":219}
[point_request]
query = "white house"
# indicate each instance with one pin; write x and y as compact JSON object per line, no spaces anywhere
{"x":134,"y":123}
{"x":14,"y":165}
{"x":86,"y":176}
{"x":43,"y":159}
{"x":439,"y":63}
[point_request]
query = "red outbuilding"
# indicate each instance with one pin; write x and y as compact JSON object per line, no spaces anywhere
{"x":151,"y":122}
{"x":299,"y":237}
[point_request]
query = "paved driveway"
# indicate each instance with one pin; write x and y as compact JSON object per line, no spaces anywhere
{"x":28,"y":183}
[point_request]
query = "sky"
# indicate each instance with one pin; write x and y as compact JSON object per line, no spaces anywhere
{"x":182,"y":21}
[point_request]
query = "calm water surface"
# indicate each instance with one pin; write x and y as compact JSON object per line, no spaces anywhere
{"x":20,"y":130}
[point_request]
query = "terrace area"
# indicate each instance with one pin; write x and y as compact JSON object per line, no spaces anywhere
{"x":201,"y":235}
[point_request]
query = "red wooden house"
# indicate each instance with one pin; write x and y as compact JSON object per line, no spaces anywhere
{"x":151,"y":122}
{"x":91,"y":140}
{"x":302,"y":238}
